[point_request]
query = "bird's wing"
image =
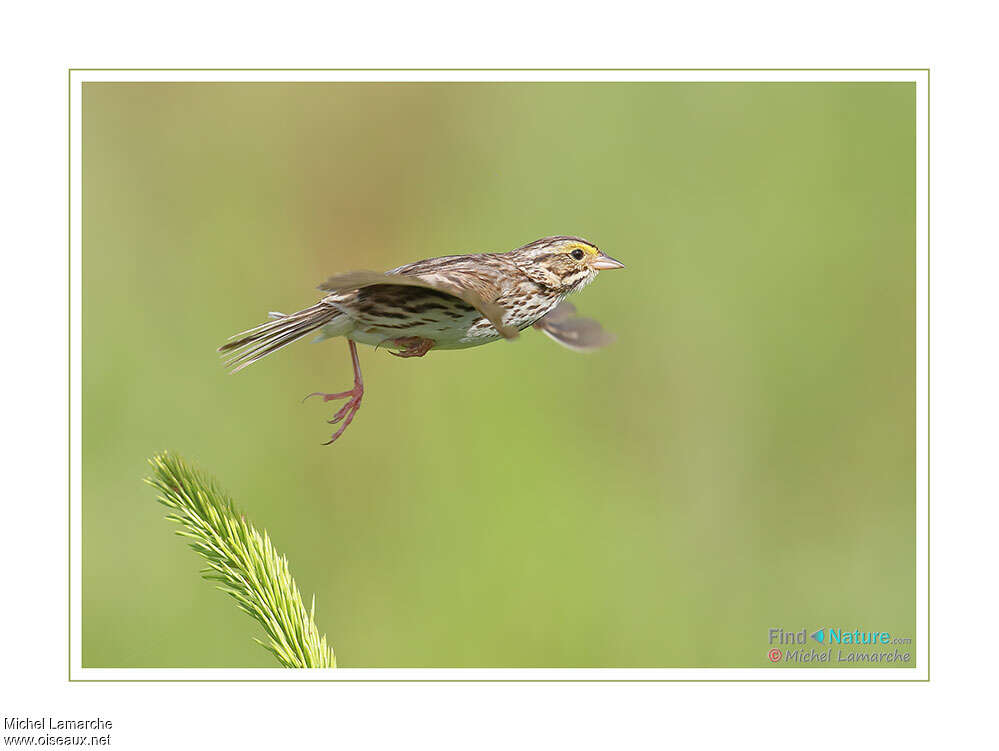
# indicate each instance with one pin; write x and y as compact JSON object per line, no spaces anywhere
{"x":472,"y":287}
{"x":573,"y":331}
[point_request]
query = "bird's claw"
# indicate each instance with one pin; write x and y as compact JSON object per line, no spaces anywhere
{"x":353,"y":405}
{"x":346,"y":412}
{"x":413,"y":346}
{"x":331,"y":397}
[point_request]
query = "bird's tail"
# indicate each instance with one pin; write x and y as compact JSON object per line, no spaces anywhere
{"x":249,"y":346}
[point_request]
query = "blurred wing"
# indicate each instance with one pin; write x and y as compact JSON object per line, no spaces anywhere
{"x":572,"y":331}
{"x":475,"y":290}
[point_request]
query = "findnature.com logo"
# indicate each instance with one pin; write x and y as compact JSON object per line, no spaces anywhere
{"x":862,"y":647}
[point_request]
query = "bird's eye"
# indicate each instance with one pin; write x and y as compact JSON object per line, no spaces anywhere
{"x":577,"y":254}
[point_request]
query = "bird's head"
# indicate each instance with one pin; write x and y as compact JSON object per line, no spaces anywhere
{"x":563,"y":263}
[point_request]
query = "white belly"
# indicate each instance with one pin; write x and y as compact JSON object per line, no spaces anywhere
{"x":450,"y":337}
{"x":446,"y":332}
{"x":448,"y":322}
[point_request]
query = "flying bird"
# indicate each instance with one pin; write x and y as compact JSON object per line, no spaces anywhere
{"x":451,"y":302}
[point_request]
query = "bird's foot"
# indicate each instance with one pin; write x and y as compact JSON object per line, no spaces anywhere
{"x":346,"y":412}
{"x":414,"y":346}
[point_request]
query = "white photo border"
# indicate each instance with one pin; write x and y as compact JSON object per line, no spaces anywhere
{"x":920,"y":672}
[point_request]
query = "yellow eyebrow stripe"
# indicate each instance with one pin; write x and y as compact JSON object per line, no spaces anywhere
{"x":588,"y":249}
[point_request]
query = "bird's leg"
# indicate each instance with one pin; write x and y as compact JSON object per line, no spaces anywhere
{"x":415,"y":346}
{"x":348,"y":410}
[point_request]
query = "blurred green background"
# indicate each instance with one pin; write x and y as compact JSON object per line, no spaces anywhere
{"x":742,"y":458}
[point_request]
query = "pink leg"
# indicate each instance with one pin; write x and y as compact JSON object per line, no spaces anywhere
{"x":348,"y":410}
{"x":415,"y":346}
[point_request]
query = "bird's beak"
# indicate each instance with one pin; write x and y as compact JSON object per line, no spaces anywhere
{"x":604,"y":262}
